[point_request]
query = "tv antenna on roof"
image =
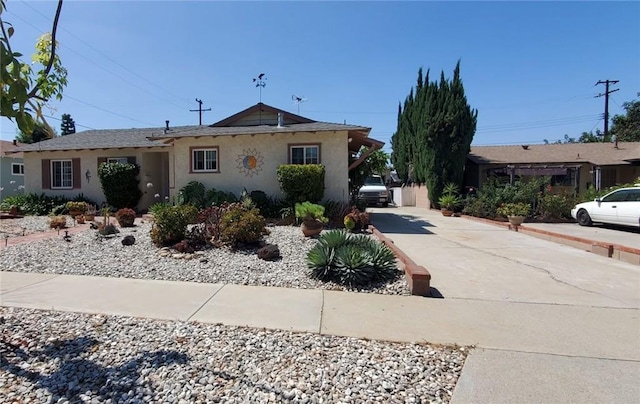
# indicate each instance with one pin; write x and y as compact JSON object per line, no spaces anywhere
{"x":260,"y":82}
{"x":297,"y":100}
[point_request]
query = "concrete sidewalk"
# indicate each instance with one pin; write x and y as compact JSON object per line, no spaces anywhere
{"x":559,"y":337}
{"x":550,"y":323}
{"x":535,"y":294}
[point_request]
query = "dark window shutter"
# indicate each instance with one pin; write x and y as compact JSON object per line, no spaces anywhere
{"x":46,"y":174}
{"x":100,"y":161}
{"x":75,"y":172}
{"x":131,"y":159}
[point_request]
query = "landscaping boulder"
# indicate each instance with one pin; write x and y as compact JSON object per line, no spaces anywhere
{"x":128,"y":240}
{"x":269,"y":252}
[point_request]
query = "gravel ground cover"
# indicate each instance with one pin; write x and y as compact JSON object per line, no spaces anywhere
{"x":86,"y":254}
{"x":71,"y":357}
{"x":26,"y":225}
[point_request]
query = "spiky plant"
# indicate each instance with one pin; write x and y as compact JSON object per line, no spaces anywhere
{"x":352,"y":260}
{"x":353,"y":266}
{"x":334,"y":238}
{"x":319,"y":261}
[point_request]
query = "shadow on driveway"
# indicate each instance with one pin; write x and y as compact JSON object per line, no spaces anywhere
{"x":391,"y":223}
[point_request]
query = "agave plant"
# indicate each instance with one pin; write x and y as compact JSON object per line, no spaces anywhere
{"x":352,"y":260}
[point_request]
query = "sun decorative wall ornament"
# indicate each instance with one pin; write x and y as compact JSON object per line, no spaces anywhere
{"x":250,"y":162}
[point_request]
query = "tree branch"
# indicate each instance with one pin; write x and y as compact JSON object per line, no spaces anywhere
{"x":35,"y":89}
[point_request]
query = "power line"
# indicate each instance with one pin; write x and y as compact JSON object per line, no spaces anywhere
{"x":108,"y":57}
{"x":66,"y":47}
{"x":111,"y":112}
{"x":76,"y":124}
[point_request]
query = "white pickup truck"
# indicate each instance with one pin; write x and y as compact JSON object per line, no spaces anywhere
{"x":374,"y":191}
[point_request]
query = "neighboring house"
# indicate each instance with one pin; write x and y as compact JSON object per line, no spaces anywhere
{"x":11,"y":169}
{"x":240,"y":152}
{"x":571,"y":166}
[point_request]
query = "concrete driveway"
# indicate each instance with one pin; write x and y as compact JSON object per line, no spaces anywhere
{"x":472,"y":260}
{"x":475,"y":265}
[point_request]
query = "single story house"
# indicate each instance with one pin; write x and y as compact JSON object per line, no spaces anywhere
{"x":240,"y":152}
{"x":11,"y":169}
{"x":572,"y":166}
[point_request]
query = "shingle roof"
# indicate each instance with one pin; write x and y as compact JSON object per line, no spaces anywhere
{"x":257,"y":130}
{"x":100,"y":139}
{"x":595,"y":153}
{"x":7,"y":147}
{"x":158,"y":137}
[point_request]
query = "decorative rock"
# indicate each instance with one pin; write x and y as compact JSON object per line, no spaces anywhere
{"x":269,"y":252}
{"x":128,"y":240}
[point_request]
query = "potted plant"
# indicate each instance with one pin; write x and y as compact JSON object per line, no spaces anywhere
{"x":90,"y":213}
{"x":355,"y":220}
{"x":76,"y":208}
{"x":449,"y":200}
{"x":515,"y":212}
{"x":312,"y":216}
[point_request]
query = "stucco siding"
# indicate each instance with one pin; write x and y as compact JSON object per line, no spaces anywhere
{"x":90,"y":184}
{"x":7,"y":177}
{"x":270,"y":152}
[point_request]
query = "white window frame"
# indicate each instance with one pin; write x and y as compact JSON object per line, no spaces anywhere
{"x":121,"y":160}
{"x":204,"y":151}
{"x":304,"y":153}
{"x":53,"y":174}
{"x":20,"y":169}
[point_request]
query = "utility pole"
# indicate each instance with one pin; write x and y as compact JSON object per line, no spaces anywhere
{"x":200,"y":110}
{"x":606,"y":102}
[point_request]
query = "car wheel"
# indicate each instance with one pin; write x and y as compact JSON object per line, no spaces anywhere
{"x":583,"y":218}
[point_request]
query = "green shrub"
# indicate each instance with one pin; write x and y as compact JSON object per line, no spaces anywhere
{"x":351,"y":260}
{"x":301,"y":182}
{"x":126,"y":217}
{"x":192,"y":194}
{"x":552,"y":206}
{"x":217,"y":198}
{"x":241,"y":225}
{"x":120,"y":184}
{"x":307,"y":211}
{"x":336,"y":211}
{"x":170,"y":223}
{"x":514,"y":209}
{"x":33,"y":204}
{"x":269,"y":207}
{"x":77,"y":206}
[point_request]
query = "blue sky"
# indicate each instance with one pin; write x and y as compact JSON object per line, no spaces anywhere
{"x":529,"y":68}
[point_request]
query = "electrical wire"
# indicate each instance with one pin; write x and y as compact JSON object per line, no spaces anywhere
{"x":110,"y":112}
{"x":110,"y":58}
{"x":66,"y":47}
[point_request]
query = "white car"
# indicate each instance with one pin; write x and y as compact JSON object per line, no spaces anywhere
{"x":621,"y":207}
{"x":374,"y":191}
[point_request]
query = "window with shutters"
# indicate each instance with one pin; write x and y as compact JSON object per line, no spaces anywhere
{"x":61,"y":174}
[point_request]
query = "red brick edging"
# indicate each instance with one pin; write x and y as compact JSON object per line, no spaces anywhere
{"x":418,"y":278}
{"x":598,"y":247}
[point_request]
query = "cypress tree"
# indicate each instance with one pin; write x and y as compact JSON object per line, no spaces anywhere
{"x":434,"y":134}
{"x":67,"y":126}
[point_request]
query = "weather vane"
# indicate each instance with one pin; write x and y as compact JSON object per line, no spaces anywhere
{"x":260,"y":83}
